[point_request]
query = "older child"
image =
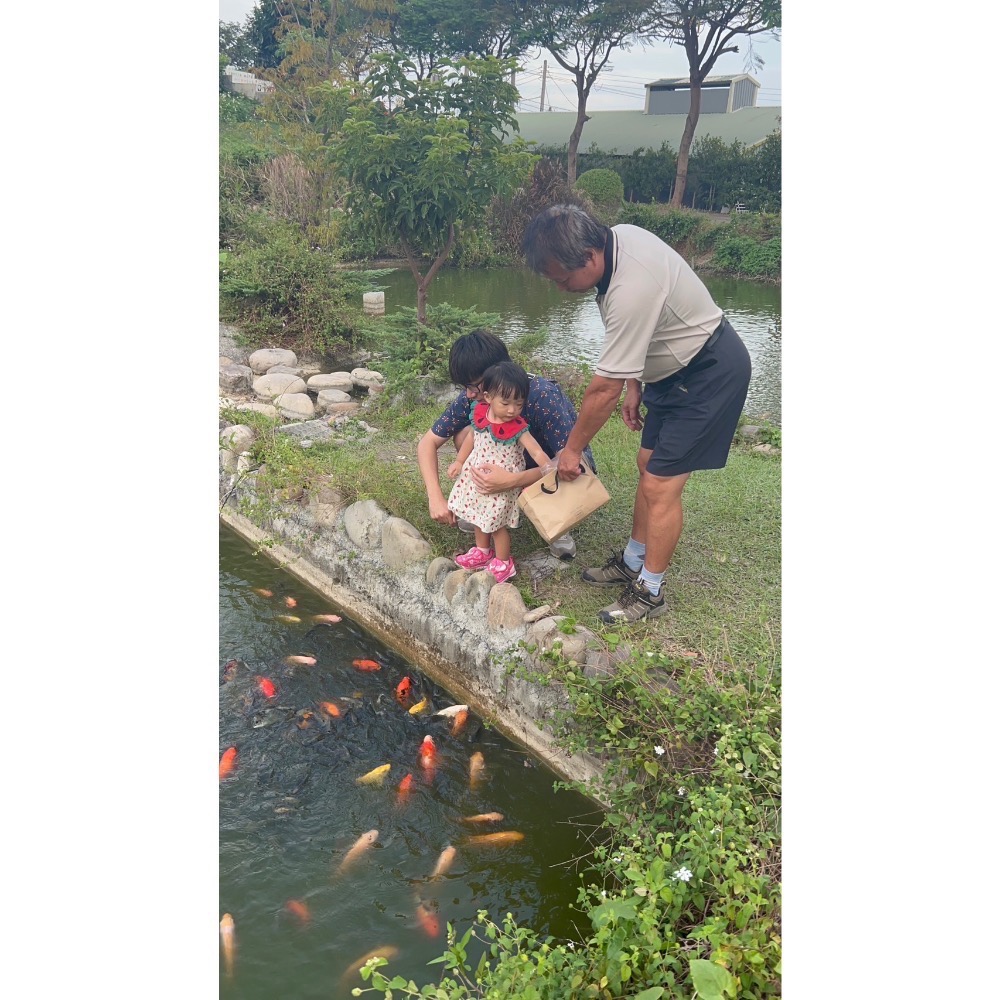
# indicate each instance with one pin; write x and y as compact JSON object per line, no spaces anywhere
{"x":500,"y":437}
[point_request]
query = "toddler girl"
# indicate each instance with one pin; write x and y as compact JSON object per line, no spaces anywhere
{"x":501,"y":436}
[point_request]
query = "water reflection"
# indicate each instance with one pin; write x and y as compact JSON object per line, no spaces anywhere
{"x":526,"y":302}
{"x":291,"y":808}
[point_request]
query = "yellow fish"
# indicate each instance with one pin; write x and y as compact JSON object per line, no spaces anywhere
{"x":444,"y":862}
{"x":503,"y":837}
{"x":227,"y":936}
{"x":291,"y":619}
{"x":419,"y":707}
{"x":386,"y":951}
{"x":360,"y":846}
{"x":477,"y":766}
{"x":483,"y":818}
{"x":375,"y":776}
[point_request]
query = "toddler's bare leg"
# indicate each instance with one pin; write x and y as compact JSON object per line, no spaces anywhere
{"x":501,"y":543}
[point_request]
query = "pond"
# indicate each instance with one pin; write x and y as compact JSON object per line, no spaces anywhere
{"x":526,"y":302}
{"x":291,"y":808}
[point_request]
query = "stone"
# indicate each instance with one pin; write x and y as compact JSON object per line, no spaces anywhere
{"x":402,"y":544}
{"x":237,"y":438}
{"x":227,"y":460}
{"x":749,"y":430}
{"x":269,"y":386}
{"x":244,"y":463}
{"x":235,"y":377}
{"x":268,"y":357}
{"x":335,"y":380}
{"x":326,"y":398}
{"x":453,"y":583}
{"x":227,"y":361}
{"x":285,"y":370}
{"x":477,"y":588}
{"x":266,"y":408}
{"x":335,"y":410}
{"x":308,"y":430}
{"x":506,"y":607}
{"x":295,"y":405}
{"x":765,"y":449}
{"x":363,"y":522}
{"x":438,"y":569}
{"x":365,"y":378}
{"x":537,"y":613}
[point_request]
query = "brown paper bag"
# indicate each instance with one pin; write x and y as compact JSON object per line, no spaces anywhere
{"x":555,"y":506}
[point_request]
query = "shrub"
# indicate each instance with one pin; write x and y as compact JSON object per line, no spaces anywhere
{"x":672,"y":226}
{"x":743,"y":255}
{"x":605,"y":189}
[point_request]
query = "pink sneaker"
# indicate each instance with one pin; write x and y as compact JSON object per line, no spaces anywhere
{"x":502,"y":570}
{"x":475,"y":558}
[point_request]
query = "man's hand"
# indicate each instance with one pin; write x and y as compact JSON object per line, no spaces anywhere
{"x":440,"y":513}
{"x":490,"y":478}
{"x":630,"y":405}
{"x":569,"y":464}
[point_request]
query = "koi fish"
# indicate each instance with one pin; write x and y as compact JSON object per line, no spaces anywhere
{"x":263,"y":592}
{"x":375,"y":776}
{"x":443,"y":862}
{"x":327,"y":619}
{"x":419,"y":707}
{"x":483,"y":818}
{"x":290,"y":619}
{"x":386,"y":951}
{"x":227,"y":763}
{"x":305,"y":718}
{"x":300,"y":910}
{"x":301,"y":661}
{"x":452,"y":710}
{"x":406,"y":784}
{"x":290,"y":602}
{"x":330,"y":708}
{"x":229,"y":670}
{"x":360,"y":846}
{"x":267,"y":687}
{"x":227,"y":935}
{"x":495,"y":839}
{"x":427,"y":752}
{"x":458,"y":722}
{"x":403,"y":689}
{"x":366,"y":665}
{"x":477,"y":766}
{"x":428,"y":919}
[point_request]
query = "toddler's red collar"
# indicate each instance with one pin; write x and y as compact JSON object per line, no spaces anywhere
{"x":507,"y":431}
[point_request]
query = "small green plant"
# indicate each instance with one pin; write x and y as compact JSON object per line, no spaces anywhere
{"x":605,"y":189}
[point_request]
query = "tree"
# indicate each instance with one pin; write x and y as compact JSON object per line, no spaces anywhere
{"x":235,"y":44}
{"x":581,"y":36}
{"x":425,"y":157}
{"x":706,"y":29}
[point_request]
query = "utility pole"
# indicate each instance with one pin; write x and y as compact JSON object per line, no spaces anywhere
{"x":541,"y":100}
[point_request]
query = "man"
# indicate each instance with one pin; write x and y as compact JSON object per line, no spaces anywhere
{"x":549,"y":413}
{"x":662,"y":328}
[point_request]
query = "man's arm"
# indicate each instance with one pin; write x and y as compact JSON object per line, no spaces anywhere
{"x":427,"y":461}
{"x":599,"y":402}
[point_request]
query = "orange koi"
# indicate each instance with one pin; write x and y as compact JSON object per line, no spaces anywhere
{"x":267,"y":687}
{"x":305,"y":719}
{"x":443,"y":862}
{"x":227,"y":763}
{"x":477,"y":767}
{"x":367,"y":665}
{"x":300,"y":910}
{"x":406,"y":784}
{"x":386,"y":951}
{"x":330,"y":708}
{"x":483,"y":818}
{"x":403,"y":689}
{"x":495,"y":839}
{"x":428,"y":919}
{"x":301,"y":661}
{"x":262,"y":592}
{"x":361,"y":845}
{"x":327,"y":619}
{"x":427,"y":752}
{"x":290,"y":602}
{"x":458,"y":723}
{"x":227,"y":935}
{"x":290,"y":619}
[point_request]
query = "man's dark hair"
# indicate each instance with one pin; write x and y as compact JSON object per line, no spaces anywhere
{"x":564,"y":234}
{"x":507,"y":379}
{"x":472,"y":353}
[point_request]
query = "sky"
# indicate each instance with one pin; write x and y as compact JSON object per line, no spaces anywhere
{"x":621,"y":84}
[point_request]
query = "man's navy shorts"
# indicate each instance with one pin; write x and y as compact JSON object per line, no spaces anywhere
{"x":691,"y":416}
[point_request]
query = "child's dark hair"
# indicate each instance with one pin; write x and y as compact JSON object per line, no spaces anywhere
{"x":472,"y":353}
{"x":507,"y":379}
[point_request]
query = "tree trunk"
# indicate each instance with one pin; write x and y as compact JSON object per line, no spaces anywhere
{"x":574,"y":139}
{"x":684,"y":152}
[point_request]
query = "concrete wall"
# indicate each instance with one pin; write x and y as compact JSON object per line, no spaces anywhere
{"x":238,"y":81}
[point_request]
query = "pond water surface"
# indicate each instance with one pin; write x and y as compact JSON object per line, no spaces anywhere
{"x":291,"y":807}
{"x":526,"y":302}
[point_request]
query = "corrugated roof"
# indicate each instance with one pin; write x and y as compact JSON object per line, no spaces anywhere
{"x":674,"y":81}
{"x":627,"y":131}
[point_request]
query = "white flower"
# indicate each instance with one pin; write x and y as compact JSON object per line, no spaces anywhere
{"x":571,"y":946}
{"x":604,"y":893}
{"x":683,"y":874}
{"x":716,"y":750}
{"x":616,"y":859}
{"x":682,"y":791}
{"x":659,"y":751}
{"x":716,"y":829}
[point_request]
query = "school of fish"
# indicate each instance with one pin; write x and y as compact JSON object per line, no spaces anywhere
{"x":456,"y":717}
